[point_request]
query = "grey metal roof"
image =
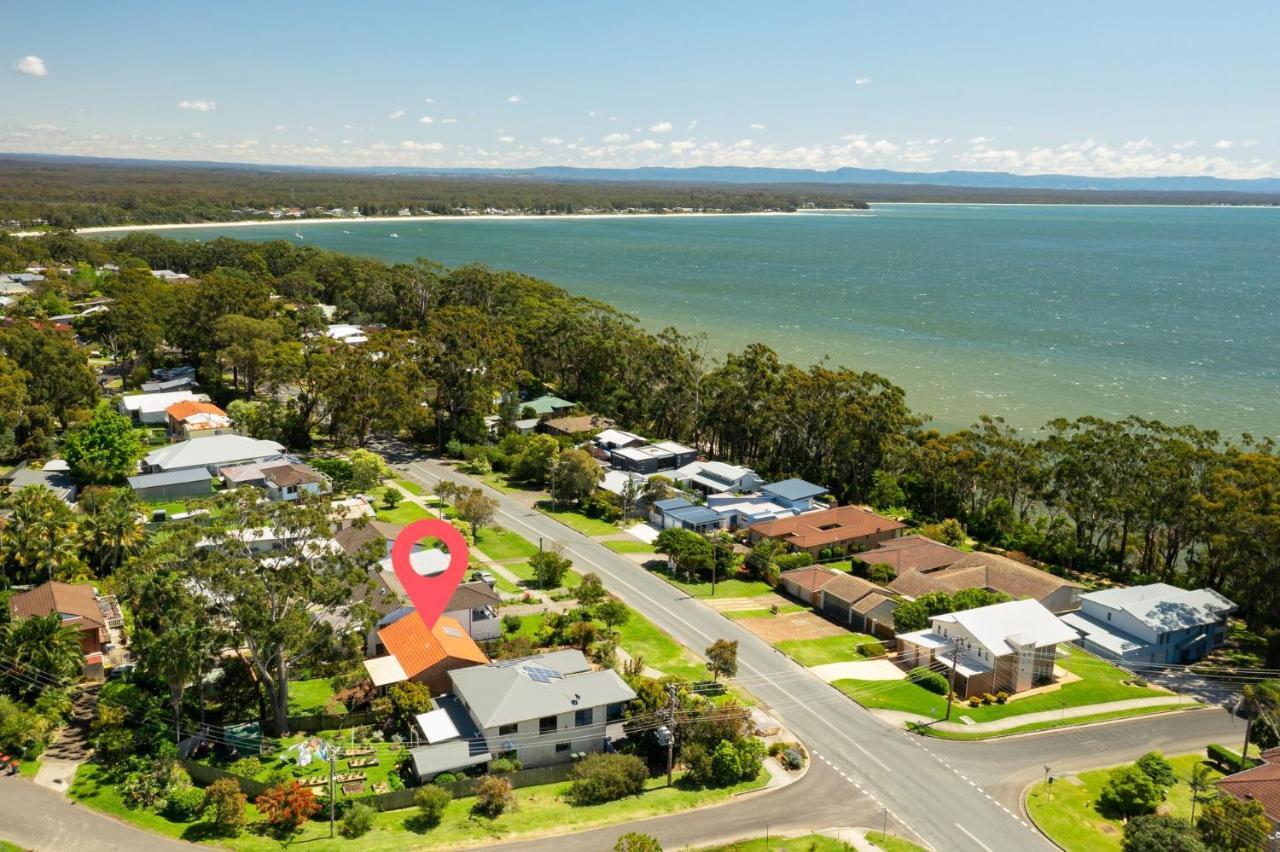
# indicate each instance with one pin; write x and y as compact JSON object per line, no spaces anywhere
{"x":467,"y":750}
{"x":671,"y":503}
{"x":694,"y":515}
{"x":532,"y":687}
{"x":170,"y":477}
{"x":794,"y":489}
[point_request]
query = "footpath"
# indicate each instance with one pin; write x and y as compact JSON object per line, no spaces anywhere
{"x":899,"y":719}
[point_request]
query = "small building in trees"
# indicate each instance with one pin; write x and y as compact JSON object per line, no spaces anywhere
{"x":79,"y":607}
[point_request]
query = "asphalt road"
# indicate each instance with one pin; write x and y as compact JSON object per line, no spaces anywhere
{"x":34,"y":817}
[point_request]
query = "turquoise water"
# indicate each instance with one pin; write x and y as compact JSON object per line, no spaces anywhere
{"x":1031,"y":312}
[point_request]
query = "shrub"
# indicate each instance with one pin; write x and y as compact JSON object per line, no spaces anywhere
{"x":929,"y":679}
{"x":1160,"y":833}
{"x":494,"y":797}
{"x":792,"y":759}
{"x":776,"y":749}
{"x":1002,"y":697}
{"x":287,"y":805}
{"x":882,"y":573}
{"x":1129,"y":792}
{"x":510,"y":623}
{"x":988,"y":698}
{"x":1157,"y":769}
{"x":247,"y":767}
{"x":1227,"y":759}
{"x":503,"y":765}
{"x":184,"y":804}
{"x":726,"y":765}
{"x":697,"y":764}
{"x":872,"y":649}
{"x":224,"y":805}
{"x":358,"y":821}
{"x":790,"y":561}
{"x":606,"y":778}
{"x":431,"y":802}
{"x":444,"y":778}
{"x":634,"y":842}
{"x":975,"y":701}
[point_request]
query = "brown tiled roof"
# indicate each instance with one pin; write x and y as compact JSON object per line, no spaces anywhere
{"x":829,"y":526}
{"x":473,"y":595}
{"x":77,"y":601}
{"x":1261,"y":784}
{"x":1271,"y":755}
{"x":810,"y":579}
{"x":911,"y":553}
{"x":870,"y":602}
{"x":418,"y":649}
{"x":355,"y":537}
{"x":849,"y":589}
{"x":982,"y":571}
{"x":291,"y":474}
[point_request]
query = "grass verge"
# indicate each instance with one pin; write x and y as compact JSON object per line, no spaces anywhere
{"x":1049,"y":725}
{"x":828,"y":649}
{"x":807,"y":843}
{"x":632,"y":546}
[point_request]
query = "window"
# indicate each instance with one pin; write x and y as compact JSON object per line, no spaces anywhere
{"x":547,"y":724}
{"x":561,"y":748}
{"x":613,"y":712}
{"x":508,"y":730}
{"x":584,"y":717}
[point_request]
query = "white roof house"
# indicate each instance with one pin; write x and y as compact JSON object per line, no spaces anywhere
{"x":352,"y":334}
{"x":212,"y":453}
{"x":1156,"y":623}
{"x":612,"y":439}
{"x":152,"y":403}
{"x":713,"y":477}
{"x":1002,"y":628}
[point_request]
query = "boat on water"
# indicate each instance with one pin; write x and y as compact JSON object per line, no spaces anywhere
{"x":395,"y":236}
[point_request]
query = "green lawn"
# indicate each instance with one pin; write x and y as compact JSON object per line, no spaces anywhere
{"x":807,"y":843}
{"x":578,"y":521}
{"x":890,"y":843}
{"x":499,"y":544}
{"x":504,"y":585}
{"x":641,"y":638}
{"x":725,"y":588}
{"x":29,"y":768}
{"x":1072,"y":820}
{"x":539,"y":811}
{"x":743,"y":614}
{"x":403,"y":515}
{"x":629,"y":546}
{"x":6,"y":846}
{"x":524,"y":571}
{"x":1101,"y":683}
{"x":412,"y":487}
{"x":1059,"y":723}
{"x":309,"y":696}
{"x":499,"y":481}
{"x":828,"y":649}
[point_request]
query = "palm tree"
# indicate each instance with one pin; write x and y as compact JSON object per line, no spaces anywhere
{"x":112,"y":528}
{"x":38,"y":542}
{"x":39,"y":653}
{"x":1201,"y":783}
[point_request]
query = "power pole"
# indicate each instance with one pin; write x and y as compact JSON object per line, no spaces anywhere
{"x":666,"y":734}
{"x":1248,"y":729}
{"x":951,"y":685}
{"x":333,"y":793}
{"x":714,"y":554}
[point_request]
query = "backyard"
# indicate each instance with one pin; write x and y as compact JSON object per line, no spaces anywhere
{"x":1071,"y":817}
{"x":309,"y":696}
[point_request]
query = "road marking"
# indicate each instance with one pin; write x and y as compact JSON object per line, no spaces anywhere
{"x":971,"y":837}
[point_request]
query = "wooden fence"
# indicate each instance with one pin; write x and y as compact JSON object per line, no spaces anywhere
{"x":329,"y":722}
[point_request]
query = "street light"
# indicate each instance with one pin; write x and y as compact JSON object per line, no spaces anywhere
{"x":1048,"y":783}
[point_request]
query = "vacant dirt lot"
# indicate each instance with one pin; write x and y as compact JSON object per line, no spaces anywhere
{"x":794,"y":625}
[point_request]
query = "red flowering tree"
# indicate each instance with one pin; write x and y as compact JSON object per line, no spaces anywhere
{"x":287,"y":805}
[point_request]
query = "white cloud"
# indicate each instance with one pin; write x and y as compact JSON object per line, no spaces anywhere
{"x":862,"y":81}
{"x":428,"y":100}
{"x":616,"y":138}
{"x":1183,"y":145}
{"x":410,"y":145}
{"x":426,"y":119}
{"x":981,"y":140}
{"x":397,"y":114}
{"x":514,"y":99}
{"x":32,"y":66}
{"x":198,"y":105}
{"x":552,"y":140}
{"x":661,"y":127}
{"x":646,"y":145}
{"x":1249,"y":143}
{"x":448,"y":121}
{"x":1223,"y":144}
{"x":279,"y":127}
{"x":756,"y":126}
{"x":693,"y":124}
{"x":506,"y":138}
{"x":683,"y":146}
{"x":46,"y":128}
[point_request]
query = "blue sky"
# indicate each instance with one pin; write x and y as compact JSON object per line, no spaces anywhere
{"x":1086,"y":88}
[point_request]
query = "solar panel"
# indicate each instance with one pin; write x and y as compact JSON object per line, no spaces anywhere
{"x":541,"y":674}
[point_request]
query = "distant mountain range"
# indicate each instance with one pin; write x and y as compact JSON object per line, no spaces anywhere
{"x":751,"y":175}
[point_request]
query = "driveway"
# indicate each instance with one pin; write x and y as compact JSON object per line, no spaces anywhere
{"x":859,"y":670}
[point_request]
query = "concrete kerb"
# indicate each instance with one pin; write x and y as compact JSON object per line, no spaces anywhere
{"x":999,"y":736}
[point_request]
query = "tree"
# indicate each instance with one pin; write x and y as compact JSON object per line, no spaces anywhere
{"x":476,"y":509}
{"x":367,"y":470}
{"x":104,"y":450}
{"x":1157,"y":769}
{"x":287,"y":805}
{"x":686,"y":551}
{"x":614,"y":613}
{"x":40,"y":653}
{"x":948,"y":532}
{"x":590,"y":590}
{"x":574,"y":476}
{"x":1234,"y":825}
{"x":60,"y":379}
{"x":391,"y":497}
{"x":635,"y":842}
{"x":604,"y":778}
{"x":881,"y":573}
{"x":722,"y":658}
{"x":534,"y":463}
{"x":886,"y":494}
{"x":409,"y":699}
{"x":39,"y":539}
{"x":1201,"y":783}
{"x":432,"y":802}
{"x":549,"y":568}
{"x":658,"y":487}
{"x":494,"y":797}
{"x":224,"y":806}
{"x":13,"y":405}
{"x":248,"y":345}
{"x":1160,"y":833}
{"x":279,"y":601}
{"x":112,"y":530}
{"x":1129,"y":792}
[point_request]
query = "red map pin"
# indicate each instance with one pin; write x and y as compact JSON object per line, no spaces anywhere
{"x":429,"y":595}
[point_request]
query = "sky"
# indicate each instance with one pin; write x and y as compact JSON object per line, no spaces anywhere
{"x":1091,"y":88}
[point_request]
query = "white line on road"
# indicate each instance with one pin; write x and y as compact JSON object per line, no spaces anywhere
{"x":971,"y":837}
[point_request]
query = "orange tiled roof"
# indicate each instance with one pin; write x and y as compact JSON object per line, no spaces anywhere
{"x":418,"y":649}
{"x":829,"y":526}
{"x":182,"y":410}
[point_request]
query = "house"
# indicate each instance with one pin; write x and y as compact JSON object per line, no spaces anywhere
{"x":578,"y":424}
{"x":910,"y":553}
{"x":617,"y":482}
{"x":152,"y":408}
{"x":172,"y":485}
{"x":191,"y":419}
{"x":55,"y":475}
{"x":170,"y":275}
{"x":453,"y":741}
{"x":794,"y":494}
{"x":989,"y":571}
{"x":474,"y":605}
{"x":857,"y":603}
{"x":1156,"y":623}
{"x":1006,"y":647}
{"x":843,"y":528}
{"x":212,"y":453}
{"x":1260,"y":784}
{"x":745,"y":510}
{"x":168,"y":385}
{"x":804,"y":583}
{"x":544,"y":708}
{"x":348,"y":511}
{"x":677,"y":512}
{"x":351,"y":334}
{"x":616,"y":439}
{"x":292,"y":480}
{"x":652,"y":458}
{"x":355,"y":538}
{"x":78,"y":607}
{"x":414,"y":653}
{"x":546,"y":406}
{"x":713,"y":477}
